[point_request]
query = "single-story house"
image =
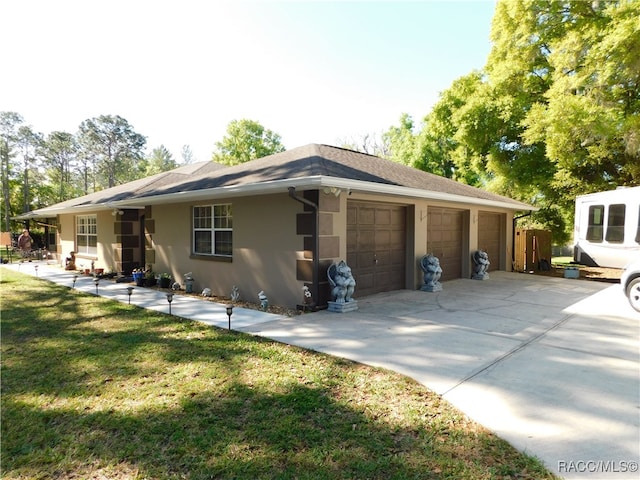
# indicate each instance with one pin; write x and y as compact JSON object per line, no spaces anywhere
{"x":277,"y":223}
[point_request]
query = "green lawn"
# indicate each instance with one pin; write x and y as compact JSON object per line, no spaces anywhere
{"x":562,"y":261}
{"x":92,"y":388}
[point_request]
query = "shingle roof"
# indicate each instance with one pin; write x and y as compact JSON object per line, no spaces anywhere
{"x":313,"y":160}
{"x":144,"y":185}
{"x":328,"y":161}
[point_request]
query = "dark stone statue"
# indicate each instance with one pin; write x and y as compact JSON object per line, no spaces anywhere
{"x":342,"y":287}
{"x":432,"y":272}
{"x":480,"y":265}
{"x":342,"y":282}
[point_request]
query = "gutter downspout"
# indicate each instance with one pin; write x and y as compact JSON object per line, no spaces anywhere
{"x":316,"y":244}
{"x":513,"y":238}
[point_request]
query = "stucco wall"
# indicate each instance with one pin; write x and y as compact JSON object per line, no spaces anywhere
{"x":265,"y":249}
{"x":106,"y":238}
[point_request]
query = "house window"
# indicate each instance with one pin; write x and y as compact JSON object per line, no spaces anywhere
{"x":615,"y":223}
{"x":87,"y":235}
{"x":213,"y":230}
{"x":596,"y":222}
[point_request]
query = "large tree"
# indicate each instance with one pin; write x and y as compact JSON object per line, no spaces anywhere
{"x":9,"y":123}
{"x":59,"y":151}
{"x":567,"y":77}
{"x":159,"y":161}
{"x":555,"y":113}
{"x":28,"y":143}
{"x":113,"y":147}
{"x":589,"y":117}
{"x":246,"y":140}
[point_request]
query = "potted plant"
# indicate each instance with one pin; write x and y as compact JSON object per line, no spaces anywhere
{"x":138,"y":277}
{"x":165,"y":280}
{"x":149,"y":278}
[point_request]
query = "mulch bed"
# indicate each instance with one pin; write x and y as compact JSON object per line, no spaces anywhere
{"x":597,"y":274}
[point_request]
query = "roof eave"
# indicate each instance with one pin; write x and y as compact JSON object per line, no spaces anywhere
{"x":386,"y":189}
{"x":51,"y":212}
{"x":320,"y":181}
{"x":277,"y":186}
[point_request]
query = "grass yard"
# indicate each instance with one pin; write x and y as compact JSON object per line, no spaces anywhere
{"x":95,"y":389}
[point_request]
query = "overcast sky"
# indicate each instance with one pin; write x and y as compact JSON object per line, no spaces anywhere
{"x":180,"y":71}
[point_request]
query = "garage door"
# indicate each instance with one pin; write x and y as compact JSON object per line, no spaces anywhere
{"x":489,"y":237}
{"x":376,"y":246}
{"x":444,"y":240}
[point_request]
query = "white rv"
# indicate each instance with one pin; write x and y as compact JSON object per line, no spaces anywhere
{"x":607,"y":228}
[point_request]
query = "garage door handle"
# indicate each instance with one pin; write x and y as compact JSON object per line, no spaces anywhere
{"x":375,"y":258}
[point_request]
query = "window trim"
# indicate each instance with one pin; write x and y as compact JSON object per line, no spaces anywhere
{"x":212,"y":225}
{"x":92,"y":220}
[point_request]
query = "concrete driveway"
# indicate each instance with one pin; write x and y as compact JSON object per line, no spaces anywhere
{"x":551,"y":365}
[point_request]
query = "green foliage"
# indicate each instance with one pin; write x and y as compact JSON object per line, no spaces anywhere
{"x":8,"y":125}
{"x":246,"y":140}
{"x":113,"y":148}
{"x":38,"y":171}
{"x":571,"y":69}
{"x":590,"y":115}
{"x":59,"y":153}
{"x":554,"y":114}
{"x":159,"y":161}
{"x":21,"y":177}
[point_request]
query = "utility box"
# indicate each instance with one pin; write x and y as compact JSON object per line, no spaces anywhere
{"x":532,"y":250}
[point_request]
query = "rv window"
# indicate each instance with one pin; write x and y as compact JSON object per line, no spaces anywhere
{"x":596,"y":221}
{"x":638,"y":231}
{"x":615,"y":223}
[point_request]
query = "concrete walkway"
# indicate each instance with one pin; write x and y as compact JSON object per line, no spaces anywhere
{"x":185,"y":306}
{"x":549,"y":364}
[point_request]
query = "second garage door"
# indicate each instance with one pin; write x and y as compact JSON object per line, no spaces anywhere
{"x":490,"y":237}
{"x":445,"y":239}
{"x":376,"y":246}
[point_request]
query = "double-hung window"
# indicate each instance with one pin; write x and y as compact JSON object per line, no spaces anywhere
{"x":213,"y":230}
{"x":87,"y":235}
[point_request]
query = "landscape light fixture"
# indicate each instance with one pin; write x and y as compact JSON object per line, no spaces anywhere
{"x":229,"y":312}
{"x":169,"y":299}
{"x":75,"y":277}
{"x":96,"y":280}
{"x":129,"y":292}
{"x":36,"y":267}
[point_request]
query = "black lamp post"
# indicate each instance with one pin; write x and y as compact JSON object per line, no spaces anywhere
{"x":96,"y":280}
{"x":75,"y":277}
{"x":229,"y":312}
{"x":129,"y":292}
{"x":169,"y":299}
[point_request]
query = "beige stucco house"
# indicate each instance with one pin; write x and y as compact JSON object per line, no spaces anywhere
{"x":277,"y":223}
